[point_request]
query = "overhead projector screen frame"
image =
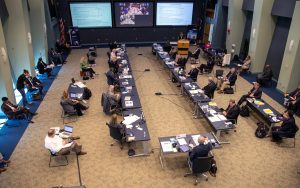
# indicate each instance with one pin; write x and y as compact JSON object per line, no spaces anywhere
{"x":133,"y":26}
{"x":173,"y":2}
{"x":87,"y":2}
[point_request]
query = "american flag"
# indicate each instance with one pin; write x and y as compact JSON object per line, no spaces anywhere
{"x":62,"y":30}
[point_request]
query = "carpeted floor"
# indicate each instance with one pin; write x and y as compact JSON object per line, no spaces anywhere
{"x":246,"y":162}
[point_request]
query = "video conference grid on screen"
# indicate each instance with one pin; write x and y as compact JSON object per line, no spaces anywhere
{"x":131,"y":14}
{"x":85,"y":15}
{"x":128,"y":14}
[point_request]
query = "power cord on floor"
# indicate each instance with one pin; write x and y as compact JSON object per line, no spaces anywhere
{"x":160,"y":95}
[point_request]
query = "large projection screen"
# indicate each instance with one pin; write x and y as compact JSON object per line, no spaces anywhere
{"x":91,"y":14}
{"x":133,"y":14}
{"x":174,"y":14}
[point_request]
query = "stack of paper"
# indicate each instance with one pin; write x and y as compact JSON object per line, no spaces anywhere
{"x":166,"y":146}
{"x":128,"y":120}
{"x":268,"y":111}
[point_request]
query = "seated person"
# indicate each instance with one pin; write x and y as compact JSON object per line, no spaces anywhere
{"x":112,"y":78}
{"x":208,"y":66}
{"x":202,"y":150}
{"x":14,"y":112}
{"x":114,"y":123}
{"x":44,"y":68}
{"x":265,"y":76}
{"x":287,"y":129}
{"x":59,"y":46}
{"x":181,"y":61}
{"x":167,"y":47}
{"x":235,"y":61}
{"x":193,"y":74}
{"x":33,"y":83}
{"x":229,"y":79}
{"x":114,"y":95}
{"x":181,"y":36}
{"x":76,"y":104}
{"x":114,"y":64}
{"x":292,"y":101}
{"x":85,"y":68}
{"x":55,"y":57}
{"x":210,"y":88}
{"x":255,"y":93}
{"x":246,"y":63}
{"x":232,"y":111}
{"x":2,"y":161}
{"x":113,"y":53}
{"x":91,"y":55}
{"x":207,"y":45}
{"x":195,"y":54}
{"x":60,"y":146}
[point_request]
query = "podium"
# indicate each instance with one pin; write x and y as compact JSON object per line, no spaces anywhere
{"x":183,"y":47}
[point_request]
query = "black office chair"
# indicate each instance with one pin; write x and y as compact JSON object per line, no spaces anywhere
{"x":13,"y":117}
{"x":235,"y":119}
{"x":115,"y":133}
{"x":55,"y":156}
{"x":293,"y":136}
{"x":195,"y":57}
{"x":68,"y":111}
{"x":219,"y":73}
{"x":199,"y":166}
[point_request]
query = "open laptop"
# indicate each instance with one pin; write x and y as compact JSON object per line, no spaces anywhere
{"x":68,"y":130}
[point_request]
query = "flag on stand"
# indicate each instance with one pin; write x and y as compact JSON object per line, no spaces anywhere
{"x":62,"y":31}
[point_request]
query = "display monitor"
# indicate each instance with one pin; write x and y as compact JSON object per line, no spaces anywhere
{"x":174,"y":14}
{"x":91,"y":14}
{"x":133,"y":14}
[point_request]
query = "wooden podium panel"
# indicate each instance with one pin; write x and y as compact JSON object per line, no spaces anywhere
{"x":183,"y":47}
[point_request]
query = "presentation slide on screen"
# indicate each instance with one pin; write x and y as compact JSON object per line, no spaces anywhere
{"x":177,"y":14}
{"x":129,"y":14}
{"x":86,"y":15}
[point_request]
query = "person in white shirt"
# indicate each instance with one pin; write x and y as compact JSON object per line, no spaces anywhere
{"x":60,"y":146}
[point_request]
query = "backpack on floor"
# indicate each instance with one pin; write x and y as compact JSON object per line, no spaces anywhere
{"x":262,"y":130}
{"x":86,"y":93}
{"x":228,"y":90}
{"x":244,"y":111}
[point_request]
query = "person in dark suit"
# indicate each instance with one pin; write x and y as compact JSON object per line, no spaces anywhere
{"x":181,"y":36}
{"x":210,"y":88}
{"x":111,"y":77}
{"x":287,"y":129}
{"x":21,"y":86}
{"x":229,"y":79}
{"x":42,"y":67}
{"x":208,"y":66}
{"x":202,"y":150}
{"x":195,"y":54}
{"x":193,"y":74}
{"x":265,"y":76}
{"x":181,"y":61}
{"x":232,"y":111}
{"x":13,"y":111}
{"x":33,"y":83}
{"x":255,"y":92}
{"x":293,"y":101}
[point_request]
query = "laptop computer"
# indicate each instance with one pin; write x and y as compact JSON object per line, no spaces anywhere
{"x":68,"y":130}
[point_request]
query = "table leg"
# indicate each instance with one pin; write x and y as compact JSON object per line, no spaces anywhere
{"x":161,"y":158}
{"x":145,"y":150}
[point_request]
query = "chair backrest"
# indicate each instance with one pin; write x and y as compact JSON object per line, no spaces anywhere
{"x":226,"y":59}
{"x":201,"y":164}
{"x":67,"y":108}
{"x":219,"y":72}
{"x":114,"y":132}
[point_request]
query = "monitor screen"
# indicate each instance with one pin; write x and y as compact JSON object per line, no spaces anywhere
{"x":91,"y":14}
{"x":192,"y":34}
{"x":134,"y":14}
{"x":174,"y":14}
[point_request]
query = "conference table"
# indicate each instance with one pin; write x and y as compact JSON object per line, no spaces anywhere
{"x":136,"y":129}
{"x":213,"y":115}
{"x":179,"y":145}
{"x":134,"y":120}
{"x":264,"y":110}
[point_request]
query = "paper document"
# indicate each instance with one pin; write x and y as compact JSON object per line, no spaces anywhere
{"x":80,"y":84}
{"x":181,"y":141}
{"x":127,"y":98}
{"x":259,"y":103}
{"x":167,"y":146}
{"x":79,"y":95}
{"x":193,"y":91}
{"x":268,"y":111}
{"x":128,"y":103}
{"x":212,"y":104}
{"x":221,"y":117}
{"x":213,"y":118}
{"x":128,"y":120}
{"x":195,"y":139}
